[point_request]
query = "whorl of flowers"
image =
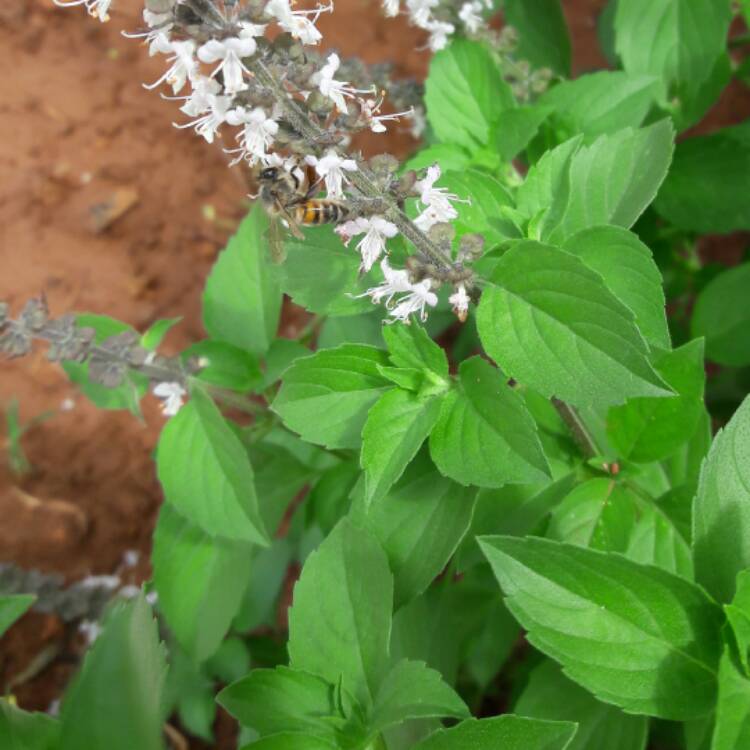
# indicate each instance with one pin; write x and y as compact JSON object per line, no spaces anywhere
{"x":276,"y":103}
{"x":442,"y":18}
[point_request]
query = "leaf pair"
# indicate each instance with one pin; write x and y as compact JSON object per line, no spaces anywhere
{"x":341,"y":685}
{"x":479,"y":432}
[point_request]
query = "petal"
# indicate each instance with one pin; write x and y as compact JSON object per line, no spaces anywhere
{"x":212,"y":51}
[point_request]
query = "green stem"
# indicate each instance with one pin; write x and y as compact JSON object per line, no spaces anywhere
{"x":584,"y":439}
{"x":234,"y":400}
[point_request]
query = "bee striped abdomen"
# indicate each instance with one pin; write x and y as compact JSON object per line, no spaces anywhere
{"x":315,"y":212}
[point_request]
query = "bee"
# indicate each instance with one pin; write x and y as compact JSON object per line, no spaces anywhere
{"x":286,"y":194}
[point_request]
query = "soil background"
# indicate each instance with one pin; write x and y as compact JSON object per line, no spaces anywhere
{"x":77,"y":130}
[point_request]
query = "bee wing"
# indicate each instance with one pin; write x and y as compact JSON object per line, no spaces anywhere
{"x":293,"y":225}
{"x":276,"y":241}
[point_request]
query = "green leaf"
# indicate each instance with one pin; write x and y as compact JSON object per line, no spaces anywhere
{"x":409,"y":380}
{"x":411,"y":347}
{"x":322,"y":275}
{"x":614,"y":179}
{"x":738,"y":615}
{"x":419,"y":524}
{"x":485,"y":436}
{"x":705,"y":188}
{"x":600,"y":103}
{"x":650,"y":429}
{"x":630,"y":273}
{"x":267,"y":573}
{"x":21,"y":730}
{"x":291,"y":741}
{"x":682,"y":469}
{"x":206,"y":474}
{"x":633,"y":635}
{"x":397,"y":425}
{"x":12,"y":606}
{"x":543,"y":37}
{"x":516,"y":509}
{"x":732,"y":728}
{"x":278,"y":479}
{"x":352,"y":329}
{"x":339,"y":624}
{"x":156,"y":333}
{"x":432,"y":628}
{"x":722,"y":316}
{"x":680,"y":41}
{"x":465,"y":94}
{"x":329,"y":499}
{"x":721,"y":512}
{"x":326,"y":397}
{"x":134,"y":386}
{"x":485,"y":198}
{"x":282,"y":354}
{"x":412,"y":690}
{"x":599,"y":513}
{"x":515,"y":130}
{"x":447,"y":155}
{"x":242,"y":300}
{"x":200,"y":580}
{"x":507,"y":732}
{"x":656,"y":540}
{"x":490,"y":647}
{"x":278,"y":700}
{"x":543,"y":195}
{"x":228,"y":366}
{"x":550,"y":695}
{"x":115,"y":701}
{"x":551,"y":323}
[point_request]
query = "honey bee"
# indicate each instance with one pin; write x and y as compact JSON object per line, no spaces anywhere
{"x":286,"y":194}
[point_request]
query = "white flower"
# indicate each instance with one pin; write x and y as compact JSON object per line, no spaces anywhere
{"x":129,"y":592}
{"x":258,"y":132}
{"x":418,"y":296}
{"x":439,"y":33}
{"x":418,"y":122}
{"x":208,"y":124}
{"x":96,"y":8}
{"x":199,"y":101}
{"x":335,"y":90}
{"x":231,"y":51}
{"x":100,"y":582}
{"x":90,"y":629}
{"x":184,"y":65}
{"x":396,"y":282}
{"x":130,"y":558}
{"x":172,"y":395}
{"x":420,"y":11}
{"x":157,"y":37}
{"x":370,"y":109}
{"x":377,"y":230}
{"x":415,"y":302}
{"x":437,"y":201}
{"x":460,"y":302}
{"x":469,"y":14}
{"x":391,"y":7}
{"x":296,"y":22}
{"x":331,"y":168}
